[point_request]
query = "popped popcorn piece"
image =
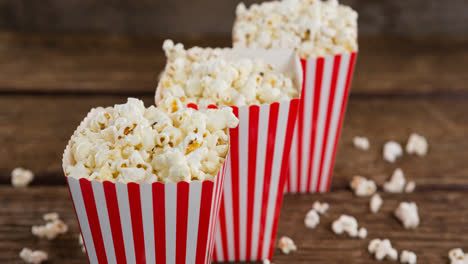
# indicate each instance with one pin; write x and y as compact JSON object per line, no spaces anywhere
{"x":410,"y":186}
{"x":375,"y":203}
{"x":457,"y":256}
{"x":313,"y":28}
{"x":312,"y":219}
{"x":349,"y":225}
{"x":286,"y":245}
{"x":21,"y":177}
{"x":391,"y":151}
{"x":81,"y":243}
{"x":397,"y":182}
{"x":204,"y":76}
{"x":362,"y":186}
{"x":417,"y":144}
{"x":408,"y":257}
{"x":170,"y":143}
{"x":33,"y":257}
{"x":361,"y":143}
{"x":407,"y":213}
{"x":382,"y":249}
{"x":51,"y":229}
{"x":321,"y":208}
{"x":266,"y":261}
{"x":50,"y":216}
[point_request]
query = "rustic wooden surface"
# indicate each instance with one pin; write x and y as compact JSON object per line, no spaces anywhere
{"x":49,"y":82}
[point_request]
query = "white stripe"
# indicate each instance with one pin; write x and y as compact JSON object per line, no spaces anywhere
{"x":264,"y":115}
{"x":80,"y":208}
{"x":228,"y":211}
{"x":335,"y":118}
{"x":307,"y":123}
{"x":322,"y":116}
{"x":170,"y":199}
{"x":292,"y":180}
{"x":219,"y":241}
{"x":126,"y":221}
{"x":215,"y":218}
{"x":193,"y":216}
{"x":103,"y":215}
{"x":146,"y":193}
{"x":243,"y":170}
{"x":275,"y":176}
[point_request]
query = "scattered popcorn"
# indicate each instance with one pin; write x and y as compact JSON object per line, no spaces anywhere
{"x":375,"y":203}
{"x":457,"y":256}
{"x":349,"y":225}
{"x":203,"y":76}
{"x":21,"y":177}
{"x":397,"y":182}
{"x":391,"y":151}
{"x":33,"y":257}
{"x":52,"y":228}
{"x":382,"y":249}
{"x":170,"y":143}
{"x":408,"y":257}
{"x":361,"y":143}
{"x":417,"y":145}
{"x":321,"y":208}
{"x":407,"y":213}
{"x":312,"y":219}
{"x":266,"y":261}
{"x":80,"y":241}
{"x":313,"y":28}
{"x":362,"y":186}
{"x":410,"y":186}
{"x":286,"y":245}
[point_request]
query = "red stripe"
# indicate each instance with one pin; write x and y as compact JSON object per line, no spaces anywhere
{"x":300,"y":126}
{"x":192,"y":105}
{"x":114,"y":220}
{"x":331,"y":101}
{"x":137,"y":221}
{"x":182,"y":219}
{"x":222,"y":227}
{"x":159,"y":217}
{"x":214,"y":215}
{"x":284,"y":168}
{"x":234,"y":134}
{"x":315,"y":110}
{"x":270,"y":147}
{"x":352,"y":61}
{"x":204,"y":221}
{"x":93,"y":219}
{"x":219,"y":193}
{"x":252,"y":164}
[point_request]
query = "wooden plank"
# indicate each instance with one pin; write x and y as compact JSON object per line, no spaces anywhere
{"x":35,"y":129}
{"x":97,"y":64}
{"x":444,"y":225}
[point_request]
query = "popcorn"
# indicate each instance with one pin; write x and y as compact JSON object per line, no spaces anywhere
{"x":51,"y":229}
{"x":349,"y":225}
{"x":382,"y":249}
{"x":361,"y":143}
{"x":417,"y":145}
{"x":391,"y":151}
{"x":21,"y":177}
{"x":362,"y":186}
{"x":205,"y":76}
{"x":408,"y":257}
{"x":397,"y":182}
{"x":312,"y":219}
{"x":321,"y":208}
{"x":313,"y":28}
{"x":81,"y":243}
{"x":286,"y":245}
{"x":266,"y":261}
{"x":375,"y":203}
{"x":170,"y":143}
{"x":410,"y":186}
{"x":407,"y":213}
{"x":33,"y":257}
{"x":457,"y":256}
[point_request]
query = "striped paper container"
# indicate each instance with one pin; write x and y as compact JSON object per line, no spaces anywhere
{"x":148,"y":222}
{"x":324,"y":95}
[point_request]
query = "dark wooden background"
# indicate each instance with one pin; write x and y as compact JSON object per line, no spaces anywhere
{"x":60,"y":58}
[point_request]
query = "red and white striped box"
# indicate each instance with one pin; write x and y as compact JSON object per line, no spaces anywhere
{"x":324,"y":96}
{"x":148,"y":222}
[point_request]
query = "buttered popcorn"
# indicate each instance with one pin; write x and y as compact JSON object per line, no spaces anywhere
{"x":202,"y":76}
{"x":131,"y":143}
{"x":314,"y":28}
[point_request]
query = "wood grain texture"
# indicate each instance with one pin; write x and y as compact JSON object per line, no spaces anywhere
{"x":444,"y":215}
{"x":97,"y":64}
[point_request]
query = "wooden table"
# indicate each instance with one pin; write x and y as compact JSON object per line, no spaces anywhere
{"x":49,"y":82}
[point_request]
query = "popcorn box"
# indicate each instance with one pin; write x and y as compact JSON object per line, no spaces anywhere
{"x":257,"y":168}
{"x":148,"y":222}
{"x":324,"y":95}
